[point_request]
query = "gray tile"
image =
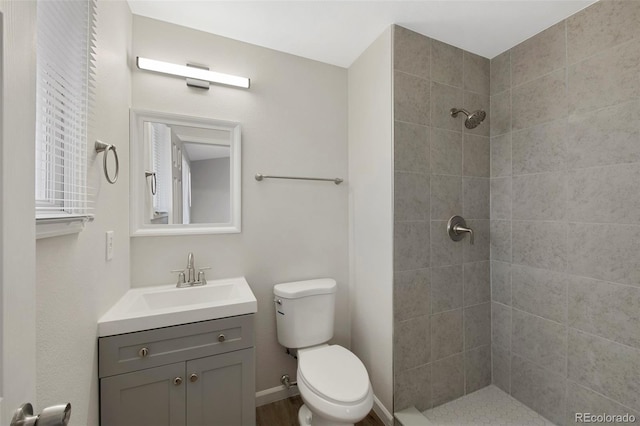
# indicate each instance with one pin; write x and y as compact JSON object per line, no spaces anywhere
{"x":475,"y":101}
{"x":480,"y":249}
{"x":476,"y":73}
{"x":443,"y":98}
{"x":501,"y":282}
{"x":541,"y":100}
{"x":605,"y":194}
{"x":477,"y":283}
{"x":411,"y":52}
{"x":410,"y":245}
{"x":500,"y":240}
{"x":540,"y":292}
{"x":501,"y":198}
{"x":605,"y":79}
{"x":446,"y":196}
{"x":501,"y":155}
{"x":611,"y":369}
{"x":539,"y":389}
{"x":446,"y":64}
{"x":411,"y":196}
{"x":501,"y":72}
{"x":446,"y":334}
{"x":604,"y":251}
{"x":501,"y":325}
{"x":475,"y":198}
{"x":501,"y":368}
{"x":446,"y":152}
{"x":411,"y":293}
{"x":411,"y":99}
{"x":477,"y":368}
{"x":444,"y":251}
{"x":411,"y":147}
{"x":582,"y":400}
{"x":501,"y":113}
{"x":477,"y":161}
{"x":413,"y":387}
{"x":448,"y":379}
{"x":606,"y":309}
{"x":540,"y":196}
{"x":542,"y":341}
{"x":446,"y":288}
{"x":605,"y":136}
{"x":539,"y":55}
{"x":540,"y":244}
{"x":540,"y":148}
{"x":601,"y":26}
{"x":411,"y":343}
{"x":477,"y":326}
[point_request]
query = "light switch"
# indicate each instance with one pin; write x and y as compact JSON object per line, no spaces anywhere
{"x":109,"y":245}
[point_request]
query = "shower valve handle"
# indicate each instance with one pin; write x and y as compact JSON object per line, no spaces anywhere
{"x":457,"y":227}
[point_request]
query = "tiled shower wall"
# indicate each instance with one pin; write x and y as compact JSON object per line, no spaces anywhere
{"x":442,"y":334}
{"x":565,"y":215}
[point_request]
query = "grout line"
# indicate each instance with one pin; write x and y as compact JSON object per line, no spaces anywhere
{"x":566,"y":194}
{"x":511,"y":221}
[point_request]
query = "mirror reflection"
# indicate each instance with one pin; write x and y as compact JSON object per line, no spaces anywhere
{"x":188,"y":174}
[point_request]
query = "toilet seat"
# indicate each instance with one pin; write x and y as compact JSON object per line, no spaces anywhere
{"x":334,"y":382}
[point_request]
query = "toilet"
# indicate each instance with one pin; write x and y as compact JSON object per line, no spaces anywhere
{"x":333,"y":382}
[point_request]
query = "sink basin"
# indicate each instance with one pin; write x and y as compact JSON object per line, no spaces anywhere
{"x":163,"y":306}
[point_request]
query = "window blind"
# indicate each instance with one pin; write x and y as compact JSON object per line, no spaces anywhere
{"x":161,"y":143}
{"x":65,"y":73}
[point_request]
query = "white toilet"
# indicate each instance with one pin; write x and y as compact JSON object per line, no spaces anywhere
{"x":333,"y":382}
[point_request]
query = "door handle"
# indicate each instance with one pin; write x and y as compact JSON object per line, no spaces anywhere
{"x":55,"y":415}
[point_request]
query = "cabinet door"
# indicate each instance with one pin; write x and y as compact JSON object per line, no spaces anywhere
{"x":155,"y":396}
{"x":221,"y":390}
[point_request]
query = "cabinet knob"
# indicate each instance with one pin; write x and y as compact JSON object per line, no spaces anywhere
{"x":193,"y":378}
{"x":221,"y":338}
{"x":177,"y":381}
{"x":143,"y":352}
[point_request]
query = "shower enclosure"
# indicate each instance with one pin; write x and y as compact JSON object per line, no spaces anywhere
{"x":543,"y":310}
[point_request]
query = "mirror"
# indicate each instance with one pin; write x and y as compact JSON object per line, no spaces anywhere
{"x":185,"y":175}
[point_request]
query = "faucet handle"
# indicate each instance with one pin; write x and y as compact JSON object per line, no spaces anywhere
{"x":201,"y":279}
{"x":181,"y":277}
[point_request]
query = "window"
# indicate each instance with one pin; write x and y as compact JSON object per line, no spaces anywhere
{"x":65,"y":74}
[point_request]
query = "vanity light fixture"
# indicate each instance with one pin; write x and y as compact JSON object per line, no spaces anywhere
{"x":192,"y":72}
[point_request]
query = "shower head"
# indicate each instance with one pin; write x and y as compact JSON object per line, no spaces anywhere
{"x":473,"y":119}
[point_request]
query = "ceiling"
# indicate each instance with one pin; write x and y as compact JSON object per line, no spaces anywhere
{"x":337,"y":32}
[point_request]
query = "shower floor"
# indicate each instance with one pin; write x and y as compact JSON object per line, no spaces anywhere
{"x":487,"y":406}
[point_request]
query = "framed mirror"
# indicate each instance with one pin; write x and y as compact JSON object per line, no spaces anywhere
{"x":185,"y":175}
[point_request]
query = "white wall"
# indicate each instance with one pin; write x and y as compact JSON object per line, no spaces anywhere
{"x":294,"y":122}
{"x":17,"y":206}
{"x":210,"y":191}
{"x":75,"y":284}
{"x":371,"y":213}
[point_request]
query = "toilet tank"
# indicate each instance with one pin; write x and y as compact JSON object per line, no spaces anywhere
{"x":305,"y":312}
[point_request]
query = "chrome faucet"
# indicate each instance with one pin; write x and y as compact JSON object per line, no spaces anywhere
{"x":188,"y":277}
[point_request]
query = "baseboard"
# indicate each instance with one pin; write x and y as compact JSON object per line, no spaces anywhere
{"x":274,"y":394}
{"x":382,"y":412}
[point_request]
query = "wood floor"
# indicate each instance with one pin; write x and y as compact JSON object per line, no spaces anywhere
{"x":285,"y":413}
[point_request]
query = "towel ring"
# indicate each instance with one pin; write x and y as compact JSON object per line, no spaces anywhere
{"x":100,"y":147}
{"x":154,"y":182}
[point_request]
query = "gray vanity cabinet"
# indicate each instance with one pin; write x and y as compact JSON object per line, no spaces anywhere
{"x":146,"y":397}
{"x":187,"y":375}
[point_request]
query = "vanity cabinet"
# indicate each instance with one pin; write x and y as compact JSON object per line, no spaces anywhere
{"x":187,"y":375}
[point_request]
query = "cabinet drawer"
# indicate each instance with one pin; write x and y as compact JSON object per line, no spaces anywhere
{"x":145,"y":349}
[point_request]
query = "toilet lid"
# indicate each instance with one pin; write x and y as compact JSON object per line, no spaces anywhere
{"x":335,"y":373}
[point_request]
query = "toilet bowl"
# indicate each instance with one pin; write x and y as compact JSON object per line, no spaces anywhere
{"x":333,"y":382}
{"x":334,"y":386}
